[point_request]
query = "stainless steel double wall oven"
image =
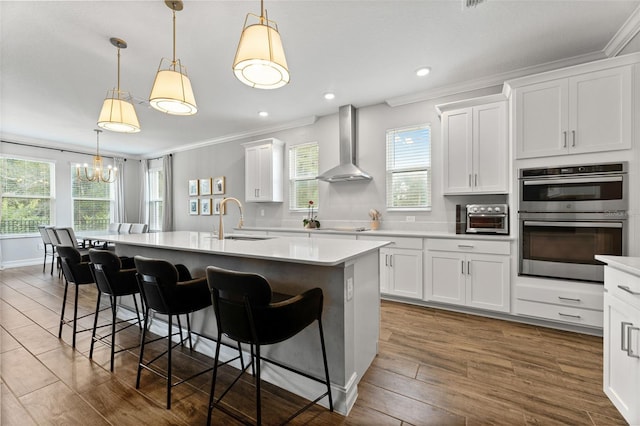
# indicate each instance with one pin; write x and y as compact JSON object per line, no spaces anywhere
{"x":567,"y":215}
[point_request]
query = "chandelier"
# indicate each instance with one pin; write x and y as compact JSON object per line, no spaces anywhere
{"x":172,"y":92}
{"x":260,"y":60}
{"x":118,"y":113}
{"x":99,"y":173}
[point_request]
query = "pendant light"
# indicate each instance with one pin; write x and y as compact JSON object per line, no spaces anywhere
{"x":260,"y":60}
{"x":99,"y":173}
{"x":118,"y":113}
{"x":172,"y":92}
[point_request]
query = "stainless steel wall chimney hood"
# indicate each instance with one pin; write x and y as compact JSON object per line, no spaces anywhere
{"x":347,"y":170}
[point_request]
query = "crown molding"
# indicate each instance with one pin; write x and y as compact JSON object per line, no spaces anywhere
{"x":625,"y":34}
{"x":491,"y":81}
{"x":237,"y":136}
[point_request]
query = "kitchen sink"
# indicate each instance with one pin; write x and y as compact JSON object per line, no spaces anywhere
{"x":246,"y":237}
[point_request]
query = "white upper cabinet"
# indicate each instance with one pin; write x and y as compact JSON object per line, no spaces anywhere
{"x":264,"y":167}
{"x":586,"y":112}
{"x":476,"y":152}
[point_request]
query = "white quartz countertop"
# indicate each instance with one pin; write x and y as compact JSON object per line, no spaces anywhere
{"x":327,"y":252}
{"x":382,"y":233}
{"x":624,"y":263}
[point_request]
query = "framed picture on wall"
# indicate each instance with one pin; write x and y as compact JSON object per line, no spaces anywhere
{"x":216,"y":206}
{"x":218,"y":185}
{"x":205,"y":186}
{"x":193,"y":206}
{"x":205,"y":206}
{"x":193,"y":187}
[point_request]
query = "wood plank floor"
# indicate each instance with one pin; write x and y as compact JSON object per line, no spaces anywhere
{"x":433,"y":368}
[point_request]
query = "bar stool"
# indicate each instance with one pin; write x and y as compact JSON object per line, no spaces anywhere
{"x":114,"y":280}
{"x":77,"y":272}
{"x":169,"y":290}
{"x":245,"y":312}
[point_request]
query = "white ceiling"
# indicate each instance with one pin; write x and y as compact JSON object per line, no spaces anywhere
{"x":57,"y":62}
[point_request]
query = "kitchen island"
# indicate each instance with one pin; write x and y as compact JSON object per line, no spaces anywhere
{"x":346,"y":271}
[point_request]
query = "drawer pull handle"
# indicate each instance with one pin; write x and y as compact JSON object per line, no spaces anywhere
{"x":465,"y":245}
{"x":628,"y":290}
{"x":624,"y":325}
{"x":629,"y":349}
{"x":568,"y":299}
{"x":569,"y":315}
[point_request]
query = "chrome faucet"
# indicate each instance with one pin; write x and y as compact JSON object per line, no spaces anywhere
{"x":221,"y":224}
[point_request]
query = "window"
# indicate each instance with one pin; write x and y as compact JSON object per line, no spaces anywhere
{"x":93,"y":204}
{"x":156,"y":191}
{"x":27,"y":189}
{"x":409,"y":168}
{"x":303,"y":169}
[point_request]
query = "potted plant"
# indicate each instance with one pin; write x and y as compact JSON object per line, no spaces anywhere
{"x":311,"y":220}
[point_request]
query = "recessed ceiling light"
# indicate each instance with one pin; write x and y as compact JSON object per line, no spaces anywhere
{"x":421,"y":72}
{"x":263,"y":114}
{"x":328,"y":96}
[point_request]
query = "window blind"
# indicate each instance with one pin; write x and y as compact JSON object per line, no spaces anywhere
{"x":303,"y":169}
{"x":93,"y":203}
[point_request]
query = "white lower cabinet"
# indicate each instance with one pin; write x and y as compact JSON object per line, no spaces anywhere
{"x":468,"y":272}
{"x":622,"y":343}
{"x":401,"y":272}
{"x":400,"y":266}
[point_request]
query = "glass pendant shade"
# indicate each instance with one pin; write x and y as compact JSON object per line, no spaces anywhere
{"x":172,"y":92}
{"x":118,"y":115}
{"x":260,"y":61}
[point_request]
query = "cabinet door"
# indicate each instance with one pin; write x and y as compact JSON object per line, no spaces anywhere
{"x":456,"y":135}
{"x":445,"y":277}
{"x":622,"y":371}
{"x":384,"y":271}
{"x":600,"y":107}
{"x":541,"y":119}
{"x":265,"y":173}
{"x":252,"y":174}
{"x":405,"y":267}
{"x":487,"y":284}
{"x":490,"y":148}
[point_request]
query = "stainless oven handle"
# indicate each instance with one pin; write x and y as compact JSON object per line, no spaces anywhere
{"x":574,"y":224}
{"x":556,"y":181}
{"x":486,"y":215}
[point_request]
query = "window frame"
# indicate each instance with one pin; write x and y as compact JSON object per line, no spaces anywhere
{"x":293,"y":180}
{"x":112,"y":198}
{"x":152,"y":201}
{"x":427,"y":168}
{"x":51,"y":197}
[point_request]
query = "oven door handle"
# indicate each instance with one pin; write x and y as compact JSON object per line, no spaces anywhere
{"x":561,"y":181}
{"x":486,"y":215}
{"x":574,"y":224}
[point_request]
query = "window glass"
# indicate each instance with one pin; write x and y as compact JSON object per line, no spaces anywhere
{"x":156,"y":191}
{"x":93,"y":203}
{"x":409,"y":168}
{"x":303,"y":169}
{"x":27,"y":194}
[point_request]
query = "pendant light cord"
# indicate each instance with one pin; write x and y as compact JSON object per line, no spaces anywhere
{"x":118,"y":72}
{"x":174,"y":38}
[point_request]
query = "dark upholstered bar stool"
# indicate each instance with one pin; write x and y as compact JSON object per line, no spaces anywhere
{"x":76,"y":271}
{"x":168,"y":290}
{"x":114,"y":280}
{"x":245,"y":312}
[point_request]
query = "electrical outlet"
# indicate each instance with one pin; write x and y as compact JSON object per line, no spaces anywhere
{"x":41,"y":246}
{"x":411,"y":218}
{"x":349,"y":288}
{"x":261,"y":212}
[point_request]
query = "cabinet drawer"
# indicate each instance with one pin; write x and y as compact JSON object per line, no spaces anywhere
{"x":622,"y":285}
{"x":565,"y":297}
{"x":469,"y":246}
{"x":396,"y":242}
{"x":565,"y":314}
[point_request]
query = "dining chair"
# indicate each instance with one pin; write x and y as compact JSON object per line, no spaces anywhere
{"x":113,"y":228}
{"x":53,"y":237}
{"x":67,"y":237}
{"x":124,"y":228}
{"x":46,"y":241}
{"x":247,"y":311}
{"x":138,"y":228}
